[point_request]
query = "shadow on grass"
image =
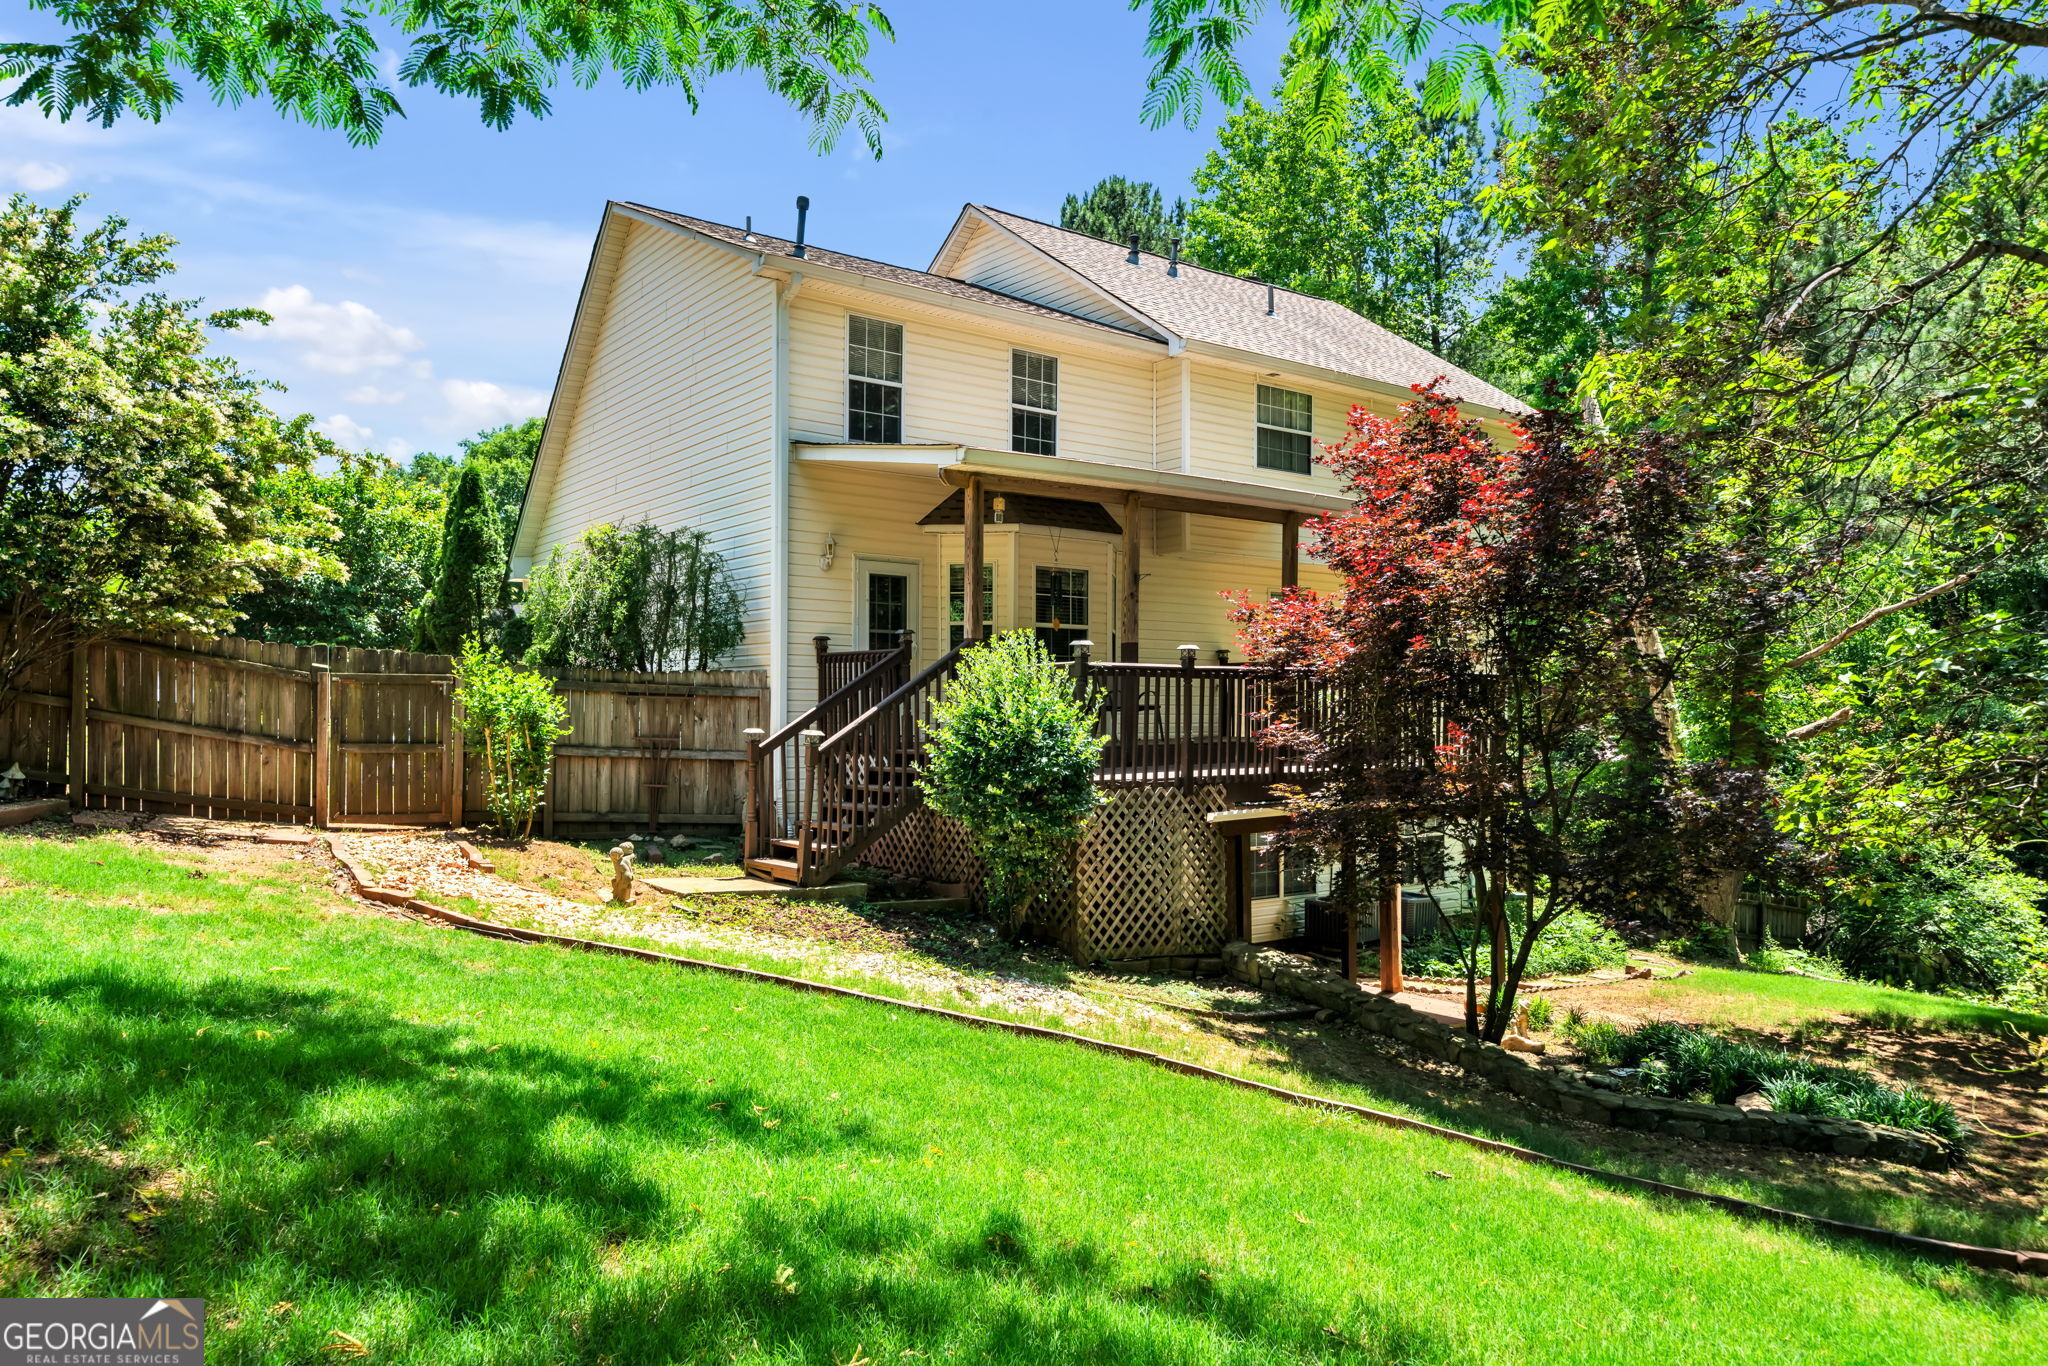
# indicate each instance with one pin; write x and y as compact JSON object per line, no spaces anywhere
{"x":510,"y":1200}
{"x":1877,"y":1194}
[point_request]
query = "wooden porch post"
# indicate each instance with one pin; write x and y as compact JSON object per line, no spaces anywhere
{"x":1290,"y":551}
{"x":1390,"y":915}
{"x":821,"y":646}
{"x":970,"y":570}
{"x":1128,"y":650}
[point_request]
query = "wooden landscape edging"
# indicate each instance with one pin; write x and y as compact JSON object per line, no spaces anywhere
{"x":2015,"y":1261}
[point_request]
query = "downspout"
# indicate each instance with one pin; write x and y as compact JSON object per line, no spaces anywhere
{"x":1187,"y":406}
{"x":778,"y":493}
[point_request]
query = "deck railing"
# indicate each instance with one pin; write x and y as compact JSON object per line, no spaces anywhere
{"x":837,"y":668}
{"x":863,"y":777}
{"x":834,"y":779}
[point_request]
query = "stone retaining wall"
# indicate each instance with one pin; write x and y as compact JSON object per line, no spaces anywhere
{"x":1568,"y":1089}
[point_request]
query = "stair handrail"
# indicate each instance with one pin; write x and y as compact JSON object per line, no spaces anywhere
{"x":849,"y":804}
{"x":764,"y":753}
{"x":944,"y":664}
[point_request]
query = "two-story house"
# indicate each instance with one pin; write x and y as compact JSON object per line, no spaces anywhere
{"x":1107,"y":440}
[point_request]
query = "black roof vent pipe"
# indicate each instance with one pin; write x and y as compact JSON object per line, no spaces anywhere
{"x":1173,"y":261}
{"x":803,"y":211}
{"x":1132,"y":259}
{"x":750,"y":227}
{"x":1269,"y":301}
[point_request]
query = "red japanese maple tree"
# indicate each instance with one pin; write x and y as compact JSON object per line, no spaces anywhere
{"x":1486,"y":650}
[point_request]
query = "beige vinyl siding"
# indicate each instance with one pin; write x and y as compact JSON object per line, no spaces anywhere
{"x":1181,"y":597}
{"x":868,"y":513}
{"x":956,"y":380}
{"x":675,"y":423}
{"x":1273,"y":919}
{"x":1225,"y":404}
{"x":995,"y":260}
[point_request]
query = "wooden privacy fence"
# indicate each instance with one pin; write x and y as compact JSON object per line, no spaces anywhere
{"x":242,"y":729}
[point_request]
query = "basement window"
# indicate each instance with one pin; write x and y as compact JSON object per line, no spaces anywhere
{"x":1285,"y":420}
{"x":874,"y":381}
{"x":1034,"y":403}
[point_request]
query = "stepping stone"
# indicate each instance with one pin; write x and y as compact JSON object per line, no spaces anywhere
{"x":850,"y":892}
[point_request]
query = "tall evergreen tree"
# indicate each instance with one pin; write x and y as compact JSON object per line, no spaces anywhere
{"x":469,"y":576}
{"x":1117,"y":209}
{"x":502,"y":455}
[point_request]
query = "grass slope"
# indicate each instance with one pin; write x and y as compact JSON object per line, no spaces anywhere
{"x":1733,"y":998}
{"x":453,"y":1150}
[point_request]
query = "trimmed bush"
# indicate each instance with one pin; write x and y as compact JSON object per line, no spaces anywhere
{"x":1011,"y":754}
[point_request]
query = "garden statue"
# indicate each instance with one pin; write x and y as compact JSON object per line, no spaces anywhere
{"x":622,"y":873}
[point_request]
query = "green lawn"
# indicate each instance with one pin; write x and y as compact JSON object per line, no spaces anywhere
{"x":1737,"y":999}
{"x":454,"y":1150}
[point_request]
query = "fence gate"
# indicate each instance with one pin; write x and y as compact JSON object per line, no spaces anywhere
{"x":395,"y":747}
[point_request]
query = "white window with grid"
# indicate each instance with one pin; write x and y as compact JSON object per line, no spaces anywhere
{"x":874,"y":380}
{"x":1285,"y":419}
{"x":1034,"y":403}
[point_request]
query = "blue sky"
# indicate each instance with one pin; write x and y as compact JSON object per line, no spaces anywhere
{"x":422,"y":287}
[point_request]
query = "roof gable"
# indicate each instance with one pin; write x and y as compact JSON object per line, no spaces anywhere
{"x":1209,"y":306}
{"x":982,"y":251}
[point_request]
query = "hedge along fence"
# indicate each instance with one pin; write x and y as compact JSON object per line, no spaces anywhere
{"x":305,"y":734}
{"x":1565,"y":1088}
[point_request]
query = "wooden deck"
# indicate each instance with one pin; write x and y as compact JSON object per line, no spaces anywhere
{"x":839,"y":776}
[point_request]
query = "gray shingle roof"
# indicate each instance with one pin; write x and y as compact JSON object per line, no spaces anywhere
{"x":879,"y":270}
{"x":1226,"y":310}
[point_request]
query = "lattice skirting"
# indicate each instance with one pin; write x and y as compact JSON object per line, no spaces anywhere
{"x":929,"y":846}
{"x":1150,"y":878}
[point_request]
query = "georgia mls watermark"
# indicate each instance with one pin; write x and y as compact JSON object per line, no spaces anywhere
{"x":102,"y":1332}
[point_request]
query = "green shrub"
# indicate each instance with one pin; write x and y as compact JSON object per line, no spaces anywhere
{"x":1599,"y":1040}
{"x":1771,"y":956}
{"x":1956,"y":919}
{"x":635,"y":597}
{"x":1672,"y":1059}
{"x":1573,"y":944}
{"x":1541,"y":1013}
{"x":1011,"y":754}
{"x":512,"y":717}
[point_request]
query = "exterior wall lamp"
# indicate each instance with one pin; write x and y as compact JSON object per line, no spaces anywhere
{"x":829,"y":553}
{"x":998,"y":506}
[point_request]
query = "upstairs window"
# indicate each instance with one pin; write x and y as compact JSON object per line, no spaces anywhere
{"x":1034,"y":403}
{"x":874,"y":381}
{"x":1285,"y":420}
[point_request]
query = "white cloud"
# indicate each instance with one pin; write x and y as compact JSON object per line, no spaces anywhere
{"x":526,"y":251}
{"x":35,"y":176}
{"x":338,"y":339}
{"x":344,"y":430}
{"x":370,"y":393}
{"x":474,"y":404}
